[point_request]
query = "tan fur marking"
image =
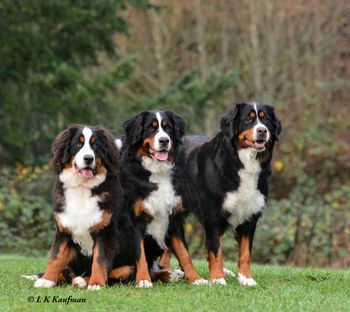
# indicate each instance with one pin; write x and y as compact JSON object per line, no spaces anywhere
{"x":68,"y":164}
{"x":155,"y":124}
{"x":141,"y":266}
{"x":252,"y":114}
{"x":60,"y":227}
{"x":165,"y":123}
{"x":100,"y":168}
{"x":144,"y":148}
{"x":139,"y":208}
{"x":165,"y":259}
{"x":99,"y":270}
{"x":216,"y":264}
{"x":81,"y":139}
{"x":261,"y":114}
{"x":123,"y":272}
{"x":244,"y":256}
{"x":105,"y":220}
{"x":56,"y":265}
{"x":179,"y":208}
{"x":184,"y":259}
{"x":163,"y":276}
{"x":247,"y":134}
{"x":93,"y":139}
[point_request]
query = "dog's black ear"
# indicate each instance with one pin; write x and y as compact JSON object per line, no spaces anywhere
{"x":179,"y":125}
{"x":277,"y":126}
{"x":109,"y":149}
{"x":229,"y":122}
{"x":60,"y":148}
{"x":134,"y":128}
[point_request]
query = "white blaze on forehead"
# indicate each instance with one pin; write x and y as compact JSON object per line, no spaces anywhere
{"x":85,"y":150}
{"x":259,"y":124}
{"x":160,"y":133}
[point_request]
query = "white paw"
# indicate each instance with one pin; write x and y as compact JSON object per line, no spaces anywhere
{"x":175,"y":275}
{"x":94,"y":287}
{"x":180,"y":273}
{"x":228,"y":272}
{"x":43,"y":283}
{"x":33,"y":277}
{"x":218,"y":281}
{"x":245,"y":281}
{"x":200,"y":281}
{"x":79,"y":282}
{"x":144,"y":284}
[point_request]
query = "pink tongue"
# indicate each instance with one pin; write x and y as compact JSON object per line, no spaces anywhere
{"x":87,"y":173}
{"x":161,"y":156}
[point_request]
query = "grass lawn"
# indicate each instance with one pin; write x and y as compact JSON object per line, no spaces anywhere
{"x":279,"y":289}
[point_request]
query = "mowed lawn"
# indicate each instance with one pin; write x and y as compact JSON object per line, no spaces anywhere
{"x":279,"y":289}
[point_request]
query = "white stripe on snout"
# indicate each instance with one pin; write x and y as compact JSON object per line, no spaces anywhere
{"x":259,"y":124}
{"x":161,"y":133}
{"x":85,"y":150}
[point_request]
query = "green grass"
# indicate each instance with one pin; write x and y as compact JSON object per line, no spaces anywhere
{"x":279,"y":289}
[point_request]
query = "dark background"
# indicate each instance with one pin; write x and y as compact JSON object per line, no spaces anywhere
{"x":100,"y":62}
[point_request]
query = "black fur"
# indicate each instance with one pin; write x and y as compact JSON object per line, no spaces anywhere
{"x":116,"y":239}
{"x":210,"y":169}
{"x":136,"y":179}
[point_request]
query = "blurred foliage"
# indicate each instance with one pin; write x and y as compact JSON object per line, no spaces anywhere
{"x":47,"y":78}
{"x":103,"y":61}
{"x":26,"y":213}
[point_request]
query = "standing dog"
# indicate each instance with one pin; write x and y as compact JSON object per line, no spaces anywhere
{"x":93,"y":234}
{"x":149,"y":180}
{"x":225,"y":181}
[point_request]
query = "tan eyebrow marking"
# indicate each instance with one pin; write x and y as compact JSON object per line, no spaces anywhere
{"x":93,"y":139}
{"x":252,"y":114}
{"x":261,"y":114}
{"x":155,"y":124}
{"x":164,"y":123}
{"x":81,"y":139}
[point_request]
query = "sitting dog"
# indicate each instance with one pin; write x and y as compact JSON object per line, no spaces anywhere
{"x":149,"y":151}
{"x":93,"y":233}
{"x":225,"y":181}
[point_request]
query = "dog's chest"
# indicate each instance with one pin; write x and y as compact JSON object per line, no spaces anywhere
{"x":161,"y":203}
{"x":81,"y":211}
{"x":247,"y":200}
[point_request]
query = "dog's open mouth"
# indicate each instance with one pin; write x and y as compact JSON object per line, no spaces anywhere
{"x":159,"y":155}
{"x":258,"y":144}
{"x":86,"y":172}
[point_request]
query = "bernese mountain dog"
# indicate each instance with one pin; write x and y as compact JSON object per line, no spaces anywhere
{"x":225,"y":181}
{"x":148,"y":175}
{"x":93,"y":234}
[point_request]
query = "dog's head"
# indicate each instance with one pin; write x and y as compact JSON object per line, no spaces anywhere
{"x":89,"y":150}
{"x":251,"y":125}
{"x":154,"y":134}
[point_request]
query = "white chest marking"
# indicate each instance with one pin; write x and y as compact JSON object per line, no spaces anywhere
{"x":161,"y":202}
{"x":247,"y":199}
{"x":81,"y":210}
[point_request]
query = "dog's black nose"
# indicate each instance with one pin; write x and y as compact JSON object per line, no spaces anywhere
{"x":261,"y":130}
{"x":163,"y":140}
{"x":88,"y":159}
